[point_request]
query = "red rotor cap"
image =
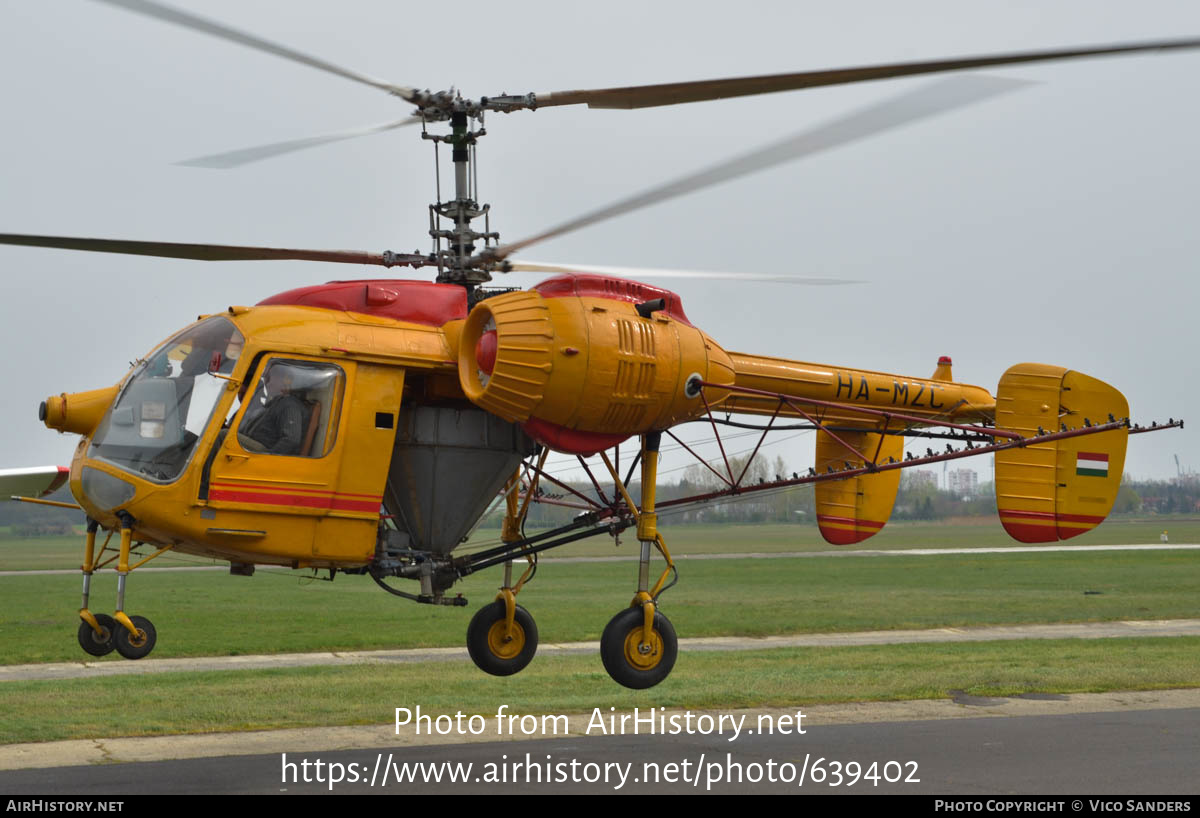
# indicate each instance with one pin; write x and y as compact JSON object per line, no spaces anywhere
{"x":945,"y":359}
{"x":485,"y":352}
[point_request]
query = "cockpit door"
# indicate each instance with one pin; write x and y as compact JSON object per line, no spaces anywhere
{"x":294,"y":461}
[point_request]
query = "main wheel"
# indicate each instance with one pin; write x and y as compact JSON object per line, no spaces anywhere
{"x":632,"y":663}
{"x":135,"y":647}
{"x":490,"y":646}
{"x":100,"y":644}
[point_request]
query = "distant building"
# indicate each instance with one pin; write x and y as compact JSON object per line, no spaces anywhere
{"x":920,"y":478}
{"x":962,"y":482}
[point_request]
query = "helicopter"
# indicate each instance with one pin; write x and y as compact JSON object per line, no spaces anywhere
{"x":364,"y":426}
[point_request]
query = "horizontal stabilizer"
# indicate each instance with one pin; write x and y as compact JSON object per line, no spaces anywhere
{"x":851,"y":510}
{"x":1062,"y":488}
{"x":37,"y":481}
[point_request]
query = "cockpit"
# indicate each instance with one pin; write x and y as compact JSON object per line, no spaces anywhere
{"x":167,"y":401}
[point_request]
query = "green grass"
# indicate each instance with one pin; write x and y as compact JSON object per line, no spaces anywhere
{"x":368,"y":694}
{"x":962,"y":532}
{"x":18,"y":554}
{"x":210,"y":613}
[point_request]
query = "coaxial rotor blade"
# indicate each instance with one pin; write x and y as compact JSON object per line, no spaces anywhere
{"x":208,"y":252}
{"x":941,"y":96}
{"x":244,"y":156}
{"x":182,"y":18}
{"x":652,"y":272}
{"x":645,"y":96}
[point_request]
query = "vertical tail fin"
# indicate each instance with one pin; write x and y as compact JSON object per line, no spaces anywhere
{"x":851,"y":510}
{"x":1059,"y":489}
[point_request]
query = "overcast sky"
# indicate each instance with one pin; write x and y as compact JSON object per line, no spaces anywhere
{"x":1057,"y":224}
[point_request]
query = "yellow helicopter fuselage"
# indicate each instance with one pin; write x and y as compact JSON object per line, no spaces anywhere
{"x":576,"y":369}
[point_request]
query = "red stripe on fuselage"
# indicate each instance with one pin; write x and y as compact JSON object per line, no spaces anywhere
{"x":303,"y":500}
{"x":260,"y":487}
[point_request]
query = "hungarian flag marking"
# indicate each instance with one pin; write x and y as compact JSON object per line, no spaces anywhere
{"x":1092,"y":464}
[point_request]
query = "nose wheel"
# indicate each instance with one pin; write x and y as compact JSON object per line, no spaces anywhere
{"x":99,"y":640}
{"x":100,"y":634}
{"x":632,"y":659}
{"x":495,"y":646}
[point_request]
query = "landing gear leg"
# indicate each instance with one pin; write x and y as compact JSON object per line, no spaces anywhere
{"x":502,"y":637}
{"x":99,"y":634}
{"x":135,"y":636}
{"x":639,"y":647}
{"x":96,"y":630}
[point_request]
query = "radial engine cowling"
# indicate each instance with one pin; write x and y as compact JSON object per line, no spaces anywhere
{"x":585,"y":362}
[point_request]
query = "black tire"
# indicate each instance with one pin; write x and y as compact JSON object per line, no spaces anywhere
{"x":625,"y":662}
{"x":135,"y":647}
{"x":486,"y":644}
{"x":103,"y":644}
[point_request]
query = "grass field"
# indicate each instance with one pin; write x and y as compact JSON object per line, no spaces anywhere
{"x":18,"y":554}
{"x":211,"y":613}
{"x":368,"y":694}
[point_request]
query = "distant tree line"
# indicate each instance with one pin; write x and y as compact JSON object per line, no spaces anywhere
{"x":33,"y":520}
{"x":1178,"y":496}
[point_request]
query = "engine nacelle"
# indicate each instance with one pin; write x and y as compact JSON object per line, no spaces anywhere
{"x":587,"y":361}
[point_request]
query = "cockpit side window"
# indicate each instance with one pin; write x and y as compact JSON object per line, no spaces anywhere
{"x":293,"y":411}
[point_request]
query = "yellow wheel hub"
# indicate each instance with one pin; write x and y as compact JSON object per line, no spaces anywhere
{"x":500,"y":645}
{"x":139,"y":640}
{"x":643,"y":656}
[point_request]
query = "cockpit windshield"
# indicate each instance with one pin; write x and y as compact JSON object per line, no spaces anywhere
{"x":152,"y":428}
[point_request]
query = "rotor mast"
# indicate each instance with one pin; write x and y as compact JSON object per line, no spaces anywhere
{"x":454,"y":248}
